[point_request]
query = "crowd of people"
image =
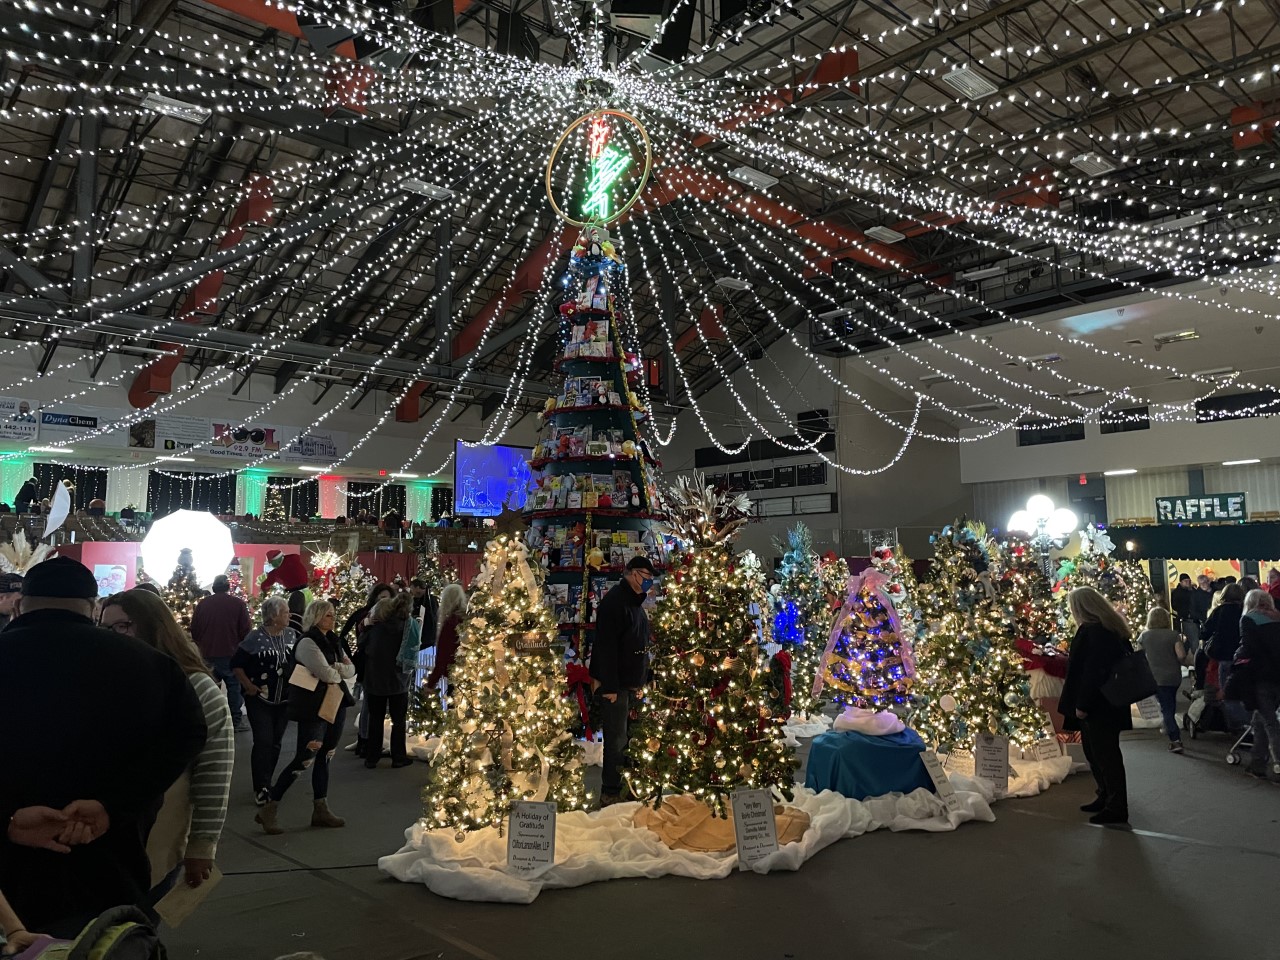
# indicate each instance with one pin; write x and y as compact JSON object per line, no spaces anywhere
{"x":127,"y":779}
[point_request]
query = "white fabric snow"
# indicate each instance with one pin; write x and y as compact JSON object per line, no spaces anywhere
{"x":1027,"y":778}
{"x":605,"y":845}
{"x":871,"y":723}
{"x":801,"y":725}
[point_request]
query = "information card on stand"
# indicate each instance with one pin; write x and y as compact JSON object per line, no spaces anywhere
{"x":754,"y":826}
{"x":531,"y":838}
{"x":941,"y":782}
{"x":991,"y":759}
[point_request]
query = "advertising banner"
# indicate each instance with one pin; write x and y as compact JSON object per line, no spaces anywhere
{"x":170,"y":434}
{"x":316,"y":446}
{"x":17,"y":419}
{"x":247,"y":442}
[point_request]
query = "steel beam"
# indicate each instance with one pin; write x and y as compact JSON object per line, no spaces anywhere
{"x":86,"y":189}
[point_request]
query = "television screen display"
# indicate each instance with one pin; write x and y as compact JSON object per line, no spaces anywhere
{"x":488,"y":479}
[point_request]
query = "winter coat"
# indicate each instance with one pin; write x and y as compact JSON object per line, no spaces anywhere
{"x":1221,"y":633}
{"x":322,"y":655}
{"x":620,"y":650}
{"x":382,"y":676}
{"x":1260,"y":642}
{"x":446,"y":650}
{"x":1095,"y":650}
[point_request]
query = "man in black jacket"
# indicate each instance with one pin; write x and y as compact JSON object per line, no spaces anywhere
{"x":619,"y":665}
{"x":28,"y":494}
{"x":73,"y":747}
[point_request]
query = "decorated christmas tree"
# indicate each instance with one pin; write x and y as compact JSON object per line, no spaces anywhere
{"x":868,"y":662}
{"x":802,"y":618}
{"x":1124,"y":582}
{"x":969,"y":674}
{"x":504,"y":737}
{"x":341,"y":579}
{"x":235,"y":578}
{"x":704,"y":728}
{"x":430,"y":571}
{"x":1026,"y":601}
{"x":273,"y":506}
{"x":834,"y":572}
{"x":183,"y":591}
{"x":592,"y":500}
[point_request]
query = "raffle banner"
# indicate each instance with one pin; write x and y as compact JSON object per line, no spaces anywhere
{"x":17,"y":419}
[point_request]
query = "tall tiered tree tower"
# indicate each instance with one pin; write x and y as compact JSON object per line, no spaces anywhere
{"x":593,"y":501}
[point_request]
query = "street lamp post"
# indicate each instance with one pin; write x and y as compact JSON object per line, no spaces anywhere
{"x":1045,"y":527}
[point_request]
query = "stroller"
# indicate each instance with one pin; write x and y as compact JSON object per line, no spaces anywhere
{"x":1206,"y":713}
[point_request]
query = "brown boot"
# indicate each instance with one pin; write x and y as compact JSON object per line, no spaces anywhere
{"x":267,"y":817}
{"x":322,"y":816}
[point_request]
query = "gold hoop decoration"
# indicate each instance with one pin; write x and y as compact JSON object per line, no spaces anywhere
{"x":644,"y":176}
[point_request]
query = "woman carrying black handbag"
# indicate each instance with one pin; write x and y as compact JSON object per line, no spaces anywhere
{"x":320,"y":657}
{"x":1100,"y":643}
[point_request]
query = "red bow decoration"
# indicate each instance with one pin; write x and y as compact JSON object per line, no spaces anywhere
{"x":578,"y":679}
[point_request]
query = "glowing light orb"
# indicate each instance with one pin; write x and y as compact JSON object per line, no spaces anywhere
{"x":208,"y":538}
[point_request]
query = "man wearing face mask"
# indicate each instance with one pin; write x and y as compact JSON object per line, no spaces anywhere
{"x":619,"y":665}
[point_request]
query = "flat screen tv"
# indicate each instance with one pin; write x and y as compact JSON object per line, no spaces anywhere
{"x":488,"y":479}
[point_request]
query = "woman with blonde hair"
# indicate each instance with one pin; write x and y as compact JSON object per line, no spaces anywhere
{"x":321,"y":655}
{"x":1101,"y":641}
{"x":453,"y":605}
{"x":1166,"y":653}
{"x":184,"y":839}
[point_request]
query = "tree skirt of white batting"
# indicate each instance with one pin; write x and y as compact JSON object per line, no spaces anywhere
{"x":802,"y":725}
{"x":605,"y":845}
{"x":1027,"y":778}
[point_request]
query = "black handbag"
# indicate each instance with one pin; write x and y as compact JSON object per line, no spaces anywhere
{"x":1131,"y":680}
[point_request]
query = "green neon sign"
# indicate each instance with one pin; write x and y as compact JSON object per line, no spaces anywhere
{"x":606,"y":167}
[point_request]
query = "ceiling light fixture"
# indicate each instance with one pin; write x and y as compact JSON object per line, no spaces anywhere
{"x":1119,"y":473}
{"x":984,"y":273}
{"x":884,"y":234}
{"x":312,"y":469}
{"x":178,"y":109}
{"x":969,"y":83}
{"x":1217,"y":373}
{"x":732,"y":283}
{"x":1240,"y":463}
{"x":425,"y":189}
{"x":405,"y":476}
{"x":1092,"y":164}
{"x":1175,"y":336}
{"x":753,"y":178}
{"x":50,"y":450}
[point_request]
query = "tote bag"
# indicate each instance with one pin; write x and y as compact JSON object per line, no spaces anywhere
{"x":1131,"y":680}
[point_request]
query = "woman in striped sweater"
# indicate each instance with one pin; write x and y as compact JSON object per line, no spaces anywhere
{"x":184,"y":840}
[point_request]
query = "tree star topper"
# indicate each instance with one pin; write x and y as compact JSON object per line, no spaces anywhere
{"x":606,"y":165}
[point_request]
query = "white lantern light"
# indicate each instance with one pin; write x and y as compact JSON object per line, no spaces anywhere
{"x":1062,"y":522}
{"x":1022,"y":522}
{"x":208,"y":538}
{"x":1040,"y":507}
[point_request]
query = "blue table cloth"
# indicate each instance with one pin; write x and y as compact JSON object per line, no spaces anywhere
{"x":860,"y":766}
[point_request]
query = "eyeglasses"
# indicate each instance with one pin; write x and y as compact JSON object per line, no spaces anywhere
{"x":117,"y":626}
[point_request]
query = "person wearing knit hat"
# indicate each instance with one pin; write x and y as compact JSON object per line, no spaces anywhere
{"x":104,"y":797}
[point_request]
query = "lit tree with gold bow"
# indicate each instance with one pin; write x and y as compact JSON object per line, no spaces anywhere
{"x":969,"y":675}
{"x":505,"y":735}
{"x":704,"y":727}
{"x":868,"y":661}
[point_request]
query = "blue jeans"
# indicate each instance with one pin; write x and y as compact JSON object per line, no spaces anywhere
{"x":221,"y":667}
{"x":317,"y":758}
{"x":1168,"y":697}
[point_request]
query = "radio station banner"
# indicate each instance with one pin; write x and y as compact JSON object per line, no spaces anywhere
{"x":17,"y":419}
{"x":248,"y":440}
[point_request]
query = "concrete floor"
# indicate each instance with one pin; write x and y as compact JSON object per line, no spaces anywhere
{"x":1196,"y":878}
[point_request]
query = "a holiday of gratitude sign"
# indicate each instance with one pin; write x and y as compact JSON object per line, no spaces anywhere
{"x":754,"y":827}
{"x":531,"y":838}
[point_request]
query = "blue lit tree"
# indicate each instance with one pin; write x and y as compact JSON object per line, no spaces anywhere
{"x":802,"y":618}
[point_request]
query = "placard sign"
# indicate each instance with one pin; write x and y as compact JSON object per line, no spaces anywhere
{"x":754,"y":826}
{"x":531,"y":838}
{"x":1211,"y":508}
{"x":991,"y":759}
{"x":941,"y":782}
{"x":1046,"y":749}
{"x":1149,"y":709}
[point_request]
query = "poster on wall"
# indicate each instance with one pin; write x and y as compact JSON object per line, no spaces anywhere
{"x":17,"y":419}
{"x":71,"y":423}
{"x":246,"y":441}
{"x":171,"y":434}
{"x":316,"y":446}
{"x":111,"y":577}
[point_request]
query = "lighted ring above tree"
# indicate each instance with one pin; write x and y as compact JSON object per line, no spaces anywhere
{"x":504,"y":736}
{"x":704,"y":728}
